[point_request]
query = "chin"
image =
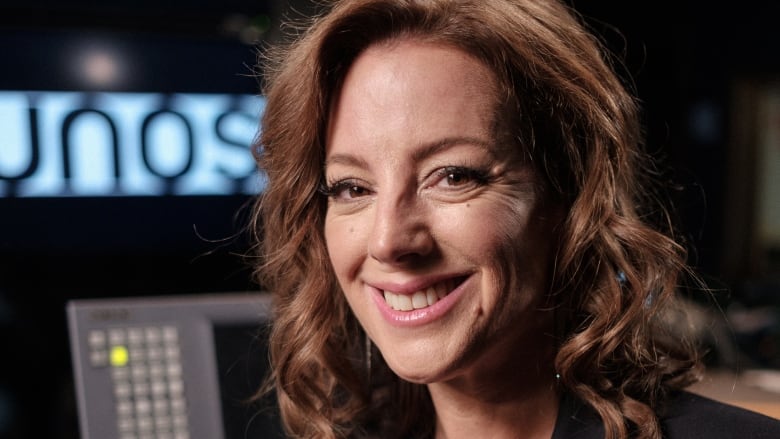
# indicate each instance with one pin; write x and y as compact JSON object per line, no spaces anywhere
{"x":416,"y":375}
{"x":432,"y":365}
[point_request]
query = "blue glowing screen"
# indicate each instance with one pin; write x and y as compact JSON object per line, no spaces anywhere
{"x":96,"y":144}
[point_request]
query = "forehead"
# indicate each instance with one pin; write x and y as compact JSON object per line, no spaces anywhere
{"x":413,"y":90}
{"x":414,"y":58}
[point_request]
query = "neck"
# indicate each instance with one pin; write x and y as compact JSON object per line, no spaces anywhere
{"x":463,"y":415}
{"x":513,"y":398}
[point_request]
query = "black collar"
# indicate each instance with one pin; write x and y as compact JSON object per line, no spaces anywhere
{"x":577,"y":421}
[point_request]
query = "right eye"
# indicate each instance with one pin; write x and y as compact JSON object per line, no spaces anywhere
{"x":346,"y":190}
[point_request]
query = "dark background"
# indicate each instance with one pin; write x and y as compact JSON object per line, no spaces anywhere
{"x":684,"y":57}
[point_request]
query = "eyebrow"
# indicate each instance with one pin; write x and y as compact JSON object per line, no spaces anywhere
{"x":433,"y":148}
{"x":345,"y":159}
{"x":420,"y":153}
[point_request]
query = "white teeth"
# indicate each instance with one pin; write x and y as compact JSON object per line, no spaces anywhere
{"x":430,"y":296}
{"x":403,"y":303}
{"x":420,"y":299}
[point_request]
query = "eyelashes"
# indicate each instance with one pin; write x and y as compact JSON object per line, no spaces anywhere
{"x":461,"y":175}
{"x":448,"y":179}
{"x":339,"y":188}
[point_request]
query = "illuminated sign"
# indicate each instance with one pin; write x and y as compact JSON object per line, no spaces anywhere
{"x":127,"y":144}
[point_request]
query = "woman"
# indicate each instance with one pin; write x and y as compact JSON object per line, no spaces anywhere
{"x":454,"y":229}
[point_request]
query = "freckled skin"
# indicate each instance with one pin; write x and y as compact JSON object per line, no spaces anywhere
{"x":408,"y":221}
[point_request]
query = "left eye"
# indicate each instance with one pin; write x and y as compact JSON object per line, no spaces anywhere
{"x":456,"y":176}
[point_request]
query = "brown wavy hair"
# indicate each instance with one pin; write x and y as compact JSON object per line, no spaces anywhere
{"x":567,"y":110}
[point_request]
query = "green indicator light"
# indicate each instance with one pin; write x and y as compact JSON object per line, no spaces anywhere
{"x":119,"y":356}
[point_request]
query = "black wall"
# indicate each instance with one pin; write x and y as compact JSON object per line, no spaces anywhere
{"x":683,"y":56}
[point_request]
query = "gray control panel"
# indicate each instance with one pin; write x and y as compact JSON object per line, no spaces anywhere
{"x":146,"y":368}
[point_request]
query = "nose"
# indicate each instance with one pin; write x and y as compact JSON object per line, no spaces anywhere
{"x":401,"y":231}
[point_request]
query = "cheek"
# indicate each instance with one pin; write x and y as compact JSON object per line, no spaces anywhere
{"x":516,"y":239}
{"x":341,"y":239}
{"x":494,"y":226}
{"x":332,"y":236}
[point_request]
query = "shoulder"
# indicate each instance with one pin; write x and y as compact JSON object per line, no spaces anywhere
{"x":687,"y":415}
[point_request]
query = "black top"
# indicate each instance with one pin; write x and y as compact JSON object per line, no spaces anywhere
{"x":686,"y":416}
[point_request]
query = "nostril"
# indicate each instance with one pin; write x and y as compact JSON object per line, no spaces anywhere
{"x":402,"y":247}
{"x":395,"y":243}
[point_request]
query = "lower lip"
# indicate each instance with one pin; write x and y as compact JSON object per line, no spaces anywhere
{"x":418,"y":317}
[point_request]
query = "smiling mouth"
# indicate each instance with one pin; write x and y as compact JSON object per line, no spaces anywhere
{"x":422,"y":298}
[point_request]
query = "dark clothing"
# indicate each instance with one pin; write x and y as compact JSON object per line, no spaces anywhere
{"x":687,"y":416}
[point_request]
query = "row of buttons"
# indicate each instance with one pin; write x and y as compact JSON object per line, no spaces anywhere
{"x":141,"y":371}
{"x":171,"y":435}
{"x":133,"y":336}
{"x":126,"y":389}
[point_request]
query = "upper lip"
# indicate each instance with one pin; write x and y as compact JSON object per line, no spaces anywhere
{"x":416,"y":284}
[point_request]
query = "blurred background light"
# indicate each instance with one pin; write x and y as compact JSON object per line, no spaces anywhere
{"x":101,"y":68}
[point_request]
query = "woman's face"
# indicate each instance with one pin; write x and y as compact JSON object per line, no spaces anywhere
{"x":434,"y":226}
